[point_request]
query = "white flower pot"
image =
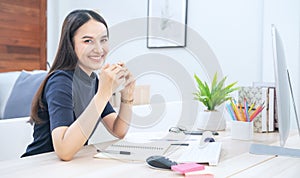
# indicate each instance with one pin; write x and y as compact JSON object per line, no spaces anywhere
{"x":211,"y":120}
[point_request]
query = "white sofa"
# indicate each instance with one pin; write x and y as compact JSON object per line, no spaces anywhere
{"x":15,"y":133}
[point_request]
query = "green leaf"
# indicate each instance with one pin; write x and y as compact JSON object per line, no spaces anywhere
{"x":216,"y":95}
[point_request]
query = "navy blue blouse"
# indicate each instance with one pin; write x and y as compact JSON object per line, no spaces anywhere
{"x":59,"y":109}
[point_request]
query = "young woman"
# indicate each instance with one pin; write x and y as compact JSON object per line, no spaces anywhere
{"x":73,"y":99}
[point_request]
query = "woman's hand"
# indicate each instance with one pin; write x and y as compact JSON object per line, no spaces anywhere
{"x":129,"y":85}
{"x":110,"y":78}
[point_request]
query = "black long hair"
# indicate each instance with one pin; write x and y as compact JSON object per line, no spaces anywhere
{"x":66,"y":58}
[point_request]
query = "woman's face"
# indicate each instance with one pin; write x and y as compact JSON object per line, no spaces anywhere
{"x":91,"y":45}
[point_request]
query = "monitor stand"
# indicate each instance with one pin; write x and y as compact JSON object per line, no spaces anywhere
{"x":261,"y":149}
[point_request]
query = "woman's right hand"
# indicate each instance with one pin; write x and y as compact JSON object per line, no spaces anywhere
{"x":110,"y":78}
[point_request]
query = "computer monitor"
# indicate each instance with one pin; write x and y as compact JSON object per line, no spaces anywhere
{"x":284,"y":95}
{"x":282,"y":86}
{"x":284,"y":92}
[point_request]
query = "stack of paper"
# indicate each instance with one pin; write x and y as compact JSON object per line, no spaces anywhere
{"x":210,"y":153}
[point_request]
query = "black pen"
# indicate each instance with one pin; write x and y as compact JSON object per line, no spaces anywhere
{"x":198,"y":132}
{"x":114,"y":152}
{"x":179,"y":144}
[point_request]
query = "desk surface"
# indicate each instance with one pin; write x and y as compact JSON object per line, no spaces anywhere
{"x":235,"y":161}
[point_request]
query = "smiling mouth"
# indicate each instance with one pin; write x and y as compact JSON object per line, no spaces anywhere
{"x":97,"y":58}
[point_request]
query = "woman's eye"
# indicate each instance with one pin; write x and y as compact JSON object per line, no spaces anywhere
{"x":104,"y":40}
{"x":88,"y":41}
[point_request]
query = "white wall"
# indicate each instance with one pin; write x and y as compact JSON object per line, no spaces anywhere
{"x":232,"y":29}
{"x":236,"y":31}
{"x":285,"y":15}
{"x":234,"y":40}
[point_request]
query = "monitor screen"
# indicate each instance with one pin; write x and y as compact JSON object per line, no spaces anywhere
{"x":282,"y":86}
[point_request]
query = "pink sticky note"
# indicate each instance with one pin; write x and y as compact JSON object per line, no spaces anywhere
{"x":187,"y":167}
{"x":199,"y":176}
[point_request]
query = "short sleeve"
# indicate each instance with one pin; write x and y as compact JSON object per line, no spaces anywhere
{"x":107,"y":110}
{"x":58,"y":93}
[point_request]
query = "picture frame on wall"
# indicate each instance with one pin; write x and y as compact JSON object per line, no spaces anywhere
{"x":166,"y":23}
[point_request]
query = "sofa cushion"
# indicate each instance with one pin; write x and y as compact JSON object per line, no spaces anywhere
{"x":19,"y":101}
{"x":7,"y":81}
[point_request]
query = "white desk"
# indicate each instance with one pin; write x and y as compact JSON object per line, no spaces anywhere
{"x":235,"y":161}
{"x":277,"y":166}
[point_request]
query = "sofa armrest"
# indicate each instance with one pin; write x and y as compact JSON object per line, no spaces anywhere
{"x":15,"y":135}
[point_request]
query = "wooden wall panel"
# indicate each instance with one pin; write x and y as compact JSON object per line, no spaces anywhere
{"x":23,"y":40}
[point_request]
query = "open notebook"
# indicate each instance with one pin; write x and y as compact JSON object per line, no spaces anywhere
{"x":126,"y":150}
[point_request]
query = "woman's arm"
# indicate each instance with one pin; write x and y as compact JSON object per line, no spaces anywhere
{"x":118,"y":124}
{"x":67,"y":141}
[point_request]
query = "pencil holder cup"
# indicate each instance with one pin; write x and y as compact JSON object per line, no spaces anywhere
{"x":241,"y":130}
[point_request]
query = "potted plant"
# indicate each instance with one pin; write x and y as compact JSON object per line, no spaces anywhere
{"x":212,"y":97}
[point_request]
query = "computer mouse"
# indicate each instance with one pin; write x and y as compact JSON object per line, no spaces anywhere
{"x":209,"y":139}
{"x":160,"y":162}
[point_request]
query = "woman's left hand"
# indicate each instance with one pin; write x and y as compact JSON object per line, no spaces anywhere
{"x":129,"y":85}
